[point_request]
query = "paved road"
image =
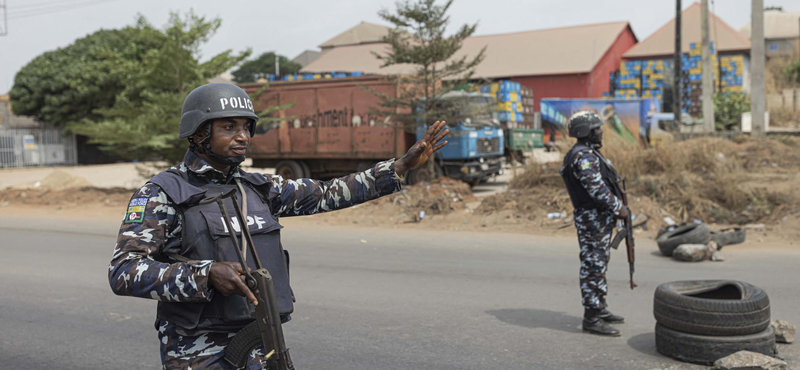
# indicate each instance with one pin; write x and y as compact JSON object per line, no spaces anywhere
{"x":399,"y":300}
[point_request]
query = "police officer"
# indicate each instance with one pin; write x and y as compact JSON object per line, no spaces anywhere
{"x":591,"y":182}
{"x":172,"y":249}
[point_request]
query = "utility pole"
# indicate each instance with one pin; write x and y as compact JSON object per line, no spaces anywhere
{"x":4,"y":25}
{"x":757,"y":60}
{"x":277,"y":65}
{"x":677,"y":88}
{"x":708,"y":76}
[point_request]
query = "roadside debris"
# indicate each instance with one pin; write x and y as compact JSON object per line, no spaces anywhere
{"x":729,"y":236}
{"x":692,"y":252}
{"x":746,"y":360}
{"x":784,"y":331}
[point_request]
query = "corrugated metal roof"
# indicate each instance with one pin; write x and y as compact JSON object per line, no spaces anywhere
{"x":777,"y":25}
{"x":662,"y":42}
{"x":552,"y":51}
{"x":363,"y":33}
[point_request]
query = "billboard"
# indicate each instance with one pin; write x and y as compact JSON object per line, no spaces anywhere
{"x":626,"y":117}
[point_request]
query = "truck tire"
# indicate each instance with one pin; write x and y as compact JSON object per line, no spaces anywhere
{"x":712,"y":307}
{"x":306,"y":170}
{"x":242,"y":345}
{"x":289,"y":170}
{"x":728,"y":236}
{"x":684,"y":234}
{"x":705,"y":350}
{"x":421,"y":174}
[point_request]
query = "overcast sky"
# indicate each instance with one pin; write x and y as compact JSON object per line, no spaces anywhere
{"x":289,"y":27}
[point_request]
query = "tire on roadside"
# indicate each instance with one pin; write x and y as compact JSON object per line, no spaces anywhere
{"x":712,"y":307}
{"x":700,"y":349}
{"x":684,"y":234}
{"x":728,"y":237}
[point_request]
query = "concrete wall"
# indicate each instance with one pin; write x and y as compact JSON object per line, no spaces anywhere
{"x":788,"y":99}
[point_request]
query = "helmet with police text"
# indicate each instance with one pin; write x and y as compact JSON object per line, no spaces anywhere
{"x":582,"y":123}
{"x":215,"y":101}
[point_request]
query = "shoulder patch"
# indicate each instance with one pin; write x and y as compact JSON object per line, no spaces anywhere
{"x":135,"y":212}
{"x":585,"y":165}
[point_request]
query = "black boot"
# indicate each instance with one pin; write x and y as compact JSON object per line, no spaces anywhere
{"x":592,"y":323}
{"x":610,"y":318}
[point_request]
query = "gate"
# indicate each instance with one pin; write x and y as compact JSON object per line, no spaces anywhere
{"x":27,"y":147}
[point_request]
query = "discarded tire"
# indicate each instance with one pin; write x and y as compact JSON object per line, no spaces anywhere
{"x":728,"y":236}
{"x":712,"y":307}
{"x":684,"y":234}
{"x":705,"y":350}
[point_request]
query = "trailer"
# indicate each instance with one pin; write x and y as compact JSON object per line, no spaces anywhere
{"x":331,"y":130}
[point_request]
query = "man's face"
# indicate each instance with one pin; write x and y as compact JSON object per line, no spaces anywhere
{"x":596,"y":136}
{"x":229,"y":136}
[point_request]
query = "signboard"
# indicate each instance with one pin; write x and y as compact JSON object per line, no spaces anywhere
{"x":28,"y":142}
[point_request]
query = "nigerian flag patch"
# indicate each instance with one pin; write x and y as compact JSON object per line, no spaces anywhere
{"x":136,"y":210}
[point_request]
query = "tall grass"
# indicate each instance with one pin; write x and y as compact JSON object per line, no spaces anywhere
{"x":699,"y":178}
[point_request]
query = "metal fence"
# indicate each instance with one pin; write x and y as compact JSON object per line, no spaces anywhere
{"x":36,"y":147}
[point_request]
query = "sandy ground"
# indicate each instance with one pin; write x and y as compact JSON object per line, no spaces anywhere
{"x":449,"y":205}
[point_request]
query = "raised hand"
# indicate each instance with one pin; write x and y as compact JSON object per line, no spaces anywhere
{"x":423,"y":149}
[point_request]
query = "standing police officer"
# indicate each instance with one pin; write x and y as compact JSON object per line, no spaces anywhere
{"x":173,"y":249}
{"x":591,"y":182}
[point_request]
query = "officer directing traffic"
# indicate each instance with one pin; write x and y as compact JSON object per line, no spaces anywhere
{"x":591,"y":182}
{"x":175,"y":250}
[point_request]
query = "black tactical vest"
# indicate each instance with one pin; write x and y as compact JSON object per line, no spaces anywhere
{"x":204,"y":236}
{"x":577,"y":193}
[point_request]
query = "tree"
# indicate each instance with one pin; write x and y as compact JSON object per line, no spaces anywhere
{"x":728,"y":109}
{"x":263,"y":66}
{"x":143,"y":121}
{"x":69,"y":84}
{"x":419,"y":40}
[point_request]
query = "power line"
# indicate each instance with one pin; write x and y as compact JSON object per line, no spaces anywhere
{"x":27,"y":13}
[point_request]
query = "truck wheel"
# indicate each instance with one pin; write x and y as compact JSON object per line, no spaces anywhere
{"x":306,"y":170}
{"x":423,"y":174}
{"x":289,"y":170}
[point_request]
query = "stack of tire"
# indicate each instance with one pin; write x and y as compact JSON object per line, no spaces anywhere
{"x":669,"y":239}
{"x":701,"y":321}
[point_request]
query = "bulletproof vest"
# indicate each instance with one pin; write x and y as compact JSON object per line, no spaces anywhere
{"x":205,"y":236}
{"x":577,"y":193}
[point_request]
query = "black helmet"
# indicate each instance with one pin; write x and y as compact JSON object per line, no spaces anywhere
{"x":214,"y":101}
{"x":582,"y":123}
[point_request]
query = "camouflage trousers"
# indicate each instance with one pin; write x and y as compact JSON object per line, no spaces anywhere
{"x":594,"y":236}
{"x":205,"y":351}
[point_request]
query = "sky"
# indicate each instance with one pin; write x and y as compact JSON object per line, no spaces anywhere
{"x":290,"y":27}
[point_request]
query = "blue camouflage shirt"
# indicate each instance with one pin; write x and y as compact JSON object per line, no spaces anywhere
{"x":153,"y":225}
{"x":586,"y":168}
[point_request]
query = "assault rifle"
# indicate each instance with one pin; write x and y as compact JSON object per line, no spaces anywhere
{"x":266,"y":329}
{"x":626,"y":233}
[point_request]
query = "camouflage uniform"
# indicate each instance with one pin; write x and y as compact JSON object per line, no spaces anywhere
{"x":138,"y":269}
{"x":595,"y":226}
